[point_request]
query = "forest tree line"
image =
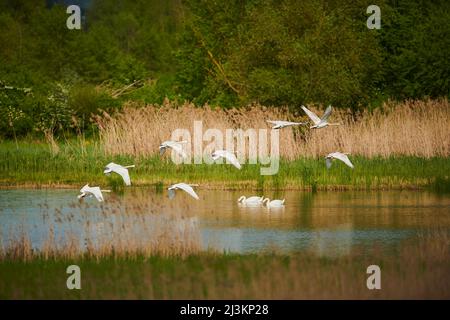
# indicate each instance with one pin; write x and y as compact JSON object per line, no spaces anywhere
{"x":226,"y":53}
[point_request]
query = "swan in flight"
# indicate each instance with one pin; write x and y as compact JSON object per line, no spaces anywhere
{"x":282,"y":124}
{"x":340,"y":156}
{"x":92,"y":191}
{"x":255,"y":200}
{"x":176,"y":146}
{"x":121,"y":170}
{"x":273,"y":203}
{"x":182,"y":186}
{"x":320,"y":122}
{"x":228,"y":156}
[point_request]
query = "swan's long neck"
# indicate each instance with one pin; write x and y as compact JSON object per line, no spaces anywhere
{"x":242,"y":198}
{"x":266,"y":200}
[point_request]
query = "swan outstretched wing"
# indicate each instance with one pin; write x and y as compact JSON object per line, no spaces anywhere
{"x":278,"y":123}
{"x":254,"y":199}
{"x":311,"y":115}
{"x":123,"y":172}
{"x":85,"y":188}
{"x":120,"y":170}
{"x":191,"y":191}
{"x":110,"y":165}
{"x":179,"y":149}
{"x":327,"y":114}
{"x":343,"y":158}
{"x":277,"y":203}
{"x":290,"y":123}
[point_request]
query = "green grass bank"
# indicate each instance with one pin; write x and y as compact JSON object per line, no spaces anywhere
{"x":35,"y":164}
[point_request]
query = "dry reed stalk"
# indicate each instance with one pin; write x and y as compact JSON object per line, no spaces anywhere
{"x":50,"y":138}
{"x":118,"y":230}
{"x":412,"y":128}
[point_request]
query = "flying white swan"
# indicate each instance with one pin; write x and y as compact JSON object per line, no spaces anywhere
{"x":228,"y":156}
{"x":340,"y":156}
{"x":282,"y":124}
{"x":255,"y":200}
{"x":121,"y":170}
{"x":92,"y":191}
{"x":320,"y":122}
{"x":273,"y":203}
{"x":176,"y":146}
{"x":182,"y":186}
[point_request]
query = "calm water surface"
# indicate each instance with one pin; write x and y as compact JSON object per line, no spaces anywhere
{"x":328,"y":223}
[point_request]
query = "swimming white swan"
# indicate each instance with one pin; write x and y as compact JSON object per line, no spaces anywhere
{"x":121,"y":170}
{"x":227,"y":155}
{"x":273,"y":203}
{"x":182,"y":186}
{"x":340,"y":156}
{"x":320,"y":122}
{"x":278,"y":124}
{"x":92,"y":191}
{"x":176,"y":146}
{"x":255,"y":200}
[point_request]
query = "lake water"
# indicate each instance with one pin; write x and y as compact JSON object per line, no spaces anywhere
{"x":327,"y":223}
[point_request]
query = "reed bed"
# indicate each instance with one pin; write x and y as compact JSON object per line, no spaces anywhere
{"x":412,"y":128}
{"x":33,"y":165}
{"x":112,"y":229}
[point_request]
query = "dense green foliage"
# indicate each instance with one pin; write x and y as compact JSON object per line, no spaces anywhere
{"x":222,"y":52}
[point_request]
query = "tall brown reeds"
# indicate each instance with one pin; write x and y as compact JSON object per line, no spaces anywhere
{"x":418,"y":269}
{"x":412,"y":128}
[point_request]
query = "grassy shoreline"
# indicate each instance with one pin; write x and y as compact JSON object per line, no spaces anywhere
{"x":416,"y":270}
{"x":35,"y":165}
